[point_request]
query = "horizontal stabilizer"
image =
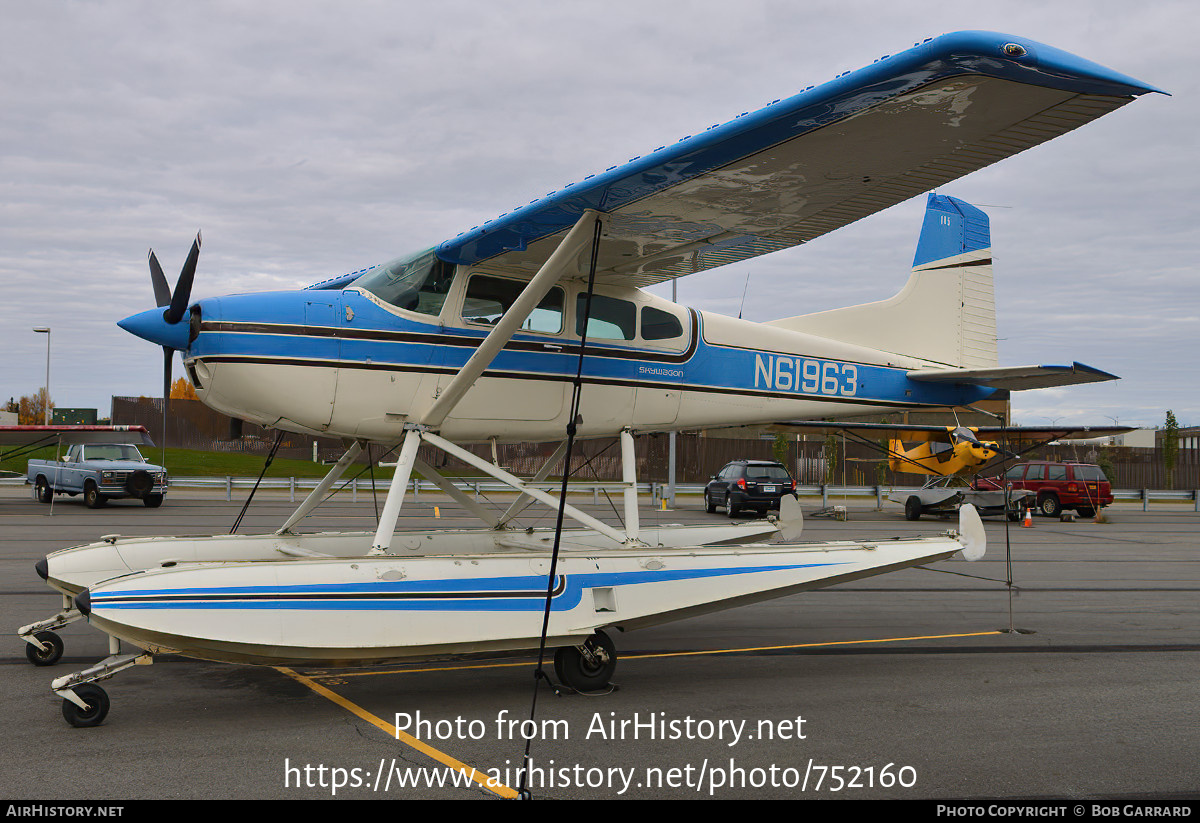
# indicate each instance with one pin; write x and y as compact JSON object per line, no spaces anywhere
{"x":1016,"y":378}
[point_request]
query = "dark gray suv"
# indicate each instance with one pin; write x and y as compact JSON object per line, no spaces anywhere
{"x":748,"y":484}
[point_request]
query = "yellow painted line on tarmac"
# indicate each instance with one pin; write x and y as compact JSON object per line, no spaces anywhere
{"x":469,"y":771}
{"x":807,"y":645}
{"x":340,"y":675}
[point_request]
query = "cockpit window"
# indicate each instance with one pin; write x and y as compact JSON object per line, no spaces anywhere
{"x":417,"y":283}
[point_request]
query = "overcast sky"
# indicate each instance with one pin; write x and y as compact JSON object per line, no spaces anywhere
{"x":309,"y":139}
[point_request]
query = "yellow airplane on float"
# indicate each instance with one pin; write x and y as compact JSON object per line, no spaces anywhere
{"x":945,"y":451}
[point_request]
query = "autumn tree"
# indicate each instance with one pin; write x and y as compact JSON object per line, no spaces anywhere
{"x":182,"y":389}
{"x":31,"y":410}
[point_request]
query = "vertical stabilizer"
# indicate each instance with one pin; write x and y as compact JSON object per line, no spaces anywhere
{"x":946,"y":313}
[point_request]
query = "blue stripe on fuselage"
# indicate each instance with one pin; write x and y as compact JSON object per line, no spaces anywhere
{"x":417,"y":345}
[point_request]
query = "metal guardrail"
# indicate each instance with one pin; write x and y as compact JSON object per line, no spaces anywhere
{"x":657,"y":491}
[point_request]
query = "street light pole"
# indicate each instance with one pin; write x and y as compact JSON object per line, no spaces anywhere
{"x":46,"y":331}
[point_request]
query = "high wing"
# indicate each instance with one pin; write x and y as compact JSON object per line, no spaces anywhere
{"x":801,"y":167}
{"x":917,"y":433}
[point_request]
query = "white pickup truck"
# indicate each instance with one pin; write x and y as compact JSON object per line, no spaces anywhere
{"x":99,"y":471}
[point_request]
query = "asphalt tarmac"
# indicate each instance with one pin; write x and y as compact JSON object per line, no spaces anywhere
{"x":906,"y":685}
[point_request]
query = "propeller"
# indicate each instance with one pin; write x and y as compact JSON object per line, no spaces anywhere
{"x":176,"y":307}
{"x":962,"y":433}
{"x":176,"y":302}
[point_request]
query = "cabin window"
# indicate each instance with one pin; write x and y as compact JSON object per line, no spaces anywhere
{"x":418,"y":283}
{"x":488,"y":298}
{"x":659,"y":325}
{"x":610,"y":318}
{"x":1015,"y":473}
{"x":1058,"y":472}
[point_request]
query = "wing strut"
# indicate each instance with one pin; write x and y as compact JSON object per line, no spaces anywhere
{"x":325,"y":485}
{"x":551,"y":272}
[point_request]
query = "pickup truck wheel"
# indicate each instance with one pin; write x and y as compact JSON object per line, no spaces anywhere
{"x":44,"y":493}
{"x":152,"y":501}
{"x":92,"y":497}
{"x":1050,"y":506}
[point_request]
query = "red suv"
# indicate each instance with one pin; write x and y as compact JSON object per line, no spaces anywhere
{"x":1079,"y":486}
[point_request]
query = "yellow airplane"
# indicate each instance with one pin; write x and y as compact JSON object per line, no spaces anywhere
{"x":943,"y":451}
{"x":954,"y":450}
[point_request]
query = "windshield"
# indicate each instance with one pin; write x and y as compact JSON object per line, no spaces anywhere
{"x":417,"y":283}
{"x":112,"y":452}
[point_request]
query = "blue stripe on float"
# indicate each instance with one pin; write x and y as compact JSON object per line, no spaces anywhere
{"x":397,"y":596}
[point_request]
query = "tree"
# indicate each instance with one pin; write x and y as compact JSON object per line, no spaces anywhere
{"x":779,"y":449}
{"x":31,"y":410}
{"x":1170,"y":447}
{"x":182,"y":389}
{"x":830,"y":453}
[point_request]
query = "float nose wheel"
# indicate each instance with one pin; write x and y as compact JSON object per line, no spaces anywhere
{"x":95,"y":712}
{"x":589,"y":667}
{"x":49,"y":653}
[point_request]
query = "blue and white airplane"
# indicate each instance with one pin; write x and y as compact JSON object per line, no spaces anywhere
{"x":479,"y":338}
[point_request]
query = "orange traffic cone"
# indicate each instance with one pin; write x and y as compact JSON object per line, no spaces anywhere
{"x":1028,"y":524}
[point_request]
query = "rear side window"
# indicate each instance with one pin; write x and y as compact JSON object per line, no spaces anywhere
{"x":1058,"y":472}
{"x":1089,"y":473}
{"x":659,"y":325}
{"x":609,"y":319}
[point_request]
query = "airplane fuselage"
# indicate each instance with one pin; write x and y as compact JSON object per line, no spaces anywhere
{"x":347,"y":363}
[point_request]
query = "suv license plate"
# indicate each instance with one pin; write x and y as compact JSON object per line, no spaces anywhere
{"x":770,"y":489}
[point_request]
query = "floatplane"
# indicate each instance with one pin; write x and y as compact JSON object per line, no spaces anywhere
{"x":534,"y":326}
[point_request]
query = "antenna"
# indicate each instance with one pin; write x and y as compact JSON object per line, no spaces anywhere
{"x":744,"y":290}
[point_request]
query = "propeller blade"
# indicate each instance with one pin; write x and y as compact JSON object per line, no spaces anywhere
{"x":183,"y":286}
{"x":162,"y":291}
